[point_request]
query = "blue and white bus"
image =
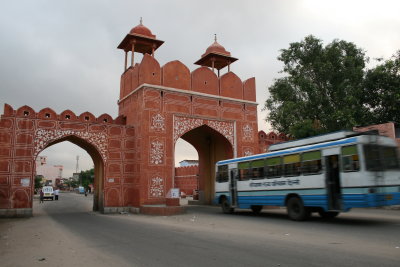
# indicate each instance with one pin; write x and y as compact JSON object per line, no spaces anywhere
{"x":327,"y":174}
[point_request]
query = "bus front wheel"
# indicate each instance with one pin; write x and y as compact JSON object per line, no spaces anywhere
{"x":296,"y":210}
{"x":226,"y":206}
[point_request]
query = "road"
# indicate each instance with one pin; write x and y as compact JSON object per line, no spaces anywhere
{"x":67,"y":233}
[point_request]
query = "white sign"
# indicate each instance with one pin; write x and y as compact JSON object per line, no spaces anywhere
{"x":25,"y":182}
{"x":175,"y":193}
{"x":111,"y":180}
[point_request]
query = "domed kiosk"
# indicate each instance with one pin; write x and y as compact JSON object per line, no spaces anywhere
{"x":216,"y":57}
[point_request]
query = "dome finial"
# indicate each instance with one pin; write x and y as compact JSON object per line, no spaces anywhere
{"x":215,"y":37}
{"x":141,"y":21}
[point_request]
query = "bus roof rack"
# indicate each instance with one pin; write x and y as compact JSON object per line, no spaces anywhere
{"x":317,"y":139}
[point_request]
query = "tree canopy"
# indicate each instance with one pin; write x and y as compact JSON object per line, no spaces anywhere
{"x":327,"y":88}
{"x":86,"y":177}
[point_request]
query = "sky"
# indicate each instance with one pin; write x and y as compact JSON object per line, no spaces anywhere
{"x":63,"y":54}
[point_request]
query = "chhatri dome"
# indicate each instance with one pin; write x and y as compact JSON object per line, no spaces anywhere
{"x":216,"y":48}
{"x":216,"y":57}
{"x":142,"y":30}
{"x":140,"y":39}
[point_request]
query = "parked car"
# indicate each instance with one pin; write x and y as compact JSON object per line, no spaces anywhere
{"x":48,"y":192}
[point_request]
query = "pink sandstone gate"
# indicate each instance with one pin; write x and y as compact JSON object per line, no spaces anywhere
{"x":134,"y":154}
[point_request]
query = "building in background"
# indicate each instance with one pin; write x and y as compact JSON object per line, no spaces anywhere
{"x":188,"y":162}
{"x":52,"y":174}
{"x":267,"y":139}
{"x":390,"y":129}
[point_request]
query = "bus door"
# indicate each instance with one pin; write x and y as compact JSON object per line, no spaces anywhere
{"x":233,"y":187}
{"x":333,"y":182}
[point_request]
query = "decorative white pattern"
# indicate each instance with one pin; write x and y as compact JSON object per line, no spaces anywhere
{"x":247,"y":132}
{"x":156,"y":188}
{"x":156,"y":152}
{"x":183,"y":125}
{"x":44,"y":137}
{"x":157,"y":122}
{"x":225,"y":128}
{"x":248,"y":152}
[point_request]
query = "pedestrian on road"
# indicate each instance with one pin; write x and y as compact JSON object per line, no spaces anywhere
{"x":85,"y":192}
{"x":41,"y":196}
{"x":56,"y":193}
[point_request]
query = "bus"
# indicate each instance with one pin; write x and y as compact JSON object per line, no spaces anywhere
{"x":327,"y":174}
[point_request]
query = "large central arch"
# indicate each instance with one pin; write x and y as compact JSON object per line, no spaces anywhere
{"x":211,"y":146}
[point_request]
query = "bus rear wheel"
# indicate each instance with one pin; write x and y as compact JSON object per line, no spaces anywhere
{"x":226,"y":206}
{"x":296,"y":210}
{"x":328,"y":214}
{"x":256,"y":209}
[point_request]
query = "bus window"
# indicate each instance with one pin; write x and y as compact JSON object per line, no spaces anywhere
{"x":222,"y":174}
{"x":291,"y":165}
{"x":372,"y":158}
{"x":311,"y":162}
{"x":274,"y":167}
{"x":350,"y":161}
{"x":257,"y":169}
{"x":244,"y":171}
{"x":390,"y":159}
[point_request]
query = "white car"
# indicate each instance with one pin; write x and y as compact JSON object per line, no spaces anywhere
{"x":48,"y":192}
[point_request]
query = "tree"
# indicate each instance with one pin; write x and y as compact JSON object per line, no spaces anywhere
{"x":382,"y":91}
{"x":86,"y":177}
{"x":321,"y":91}
{"x":38,"y":182}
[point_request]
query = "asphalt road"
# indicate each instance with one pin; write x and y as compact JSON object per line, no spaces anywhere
{"x":67,"y":233}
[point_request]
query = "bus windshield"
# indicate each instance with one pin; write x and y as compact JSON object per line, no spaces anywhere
{"x":379,"y":158}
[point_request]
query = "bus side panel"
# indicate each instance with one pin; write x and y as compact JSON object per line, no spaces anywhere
{"x":310,"y":198}
{"x":361,"y":198}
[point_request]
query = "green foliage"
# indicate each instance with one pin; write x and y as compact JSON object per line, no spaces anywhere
{"x":382,"y":91}
{"x":322,"y":90}
{"x":72,"y":183}
{"x":38,"y":181}
{"x":86,"y":177}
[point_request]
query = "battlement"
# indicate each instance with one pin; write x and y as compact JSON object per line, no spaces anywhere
{"x":66,"y":115}
{"x":175,"y":74}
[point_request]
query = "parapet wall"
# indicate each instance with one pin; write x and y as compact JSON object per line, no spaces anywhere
{"x":175,"y":74}
{"x":67,"y":115}
{"x":187,"y":179}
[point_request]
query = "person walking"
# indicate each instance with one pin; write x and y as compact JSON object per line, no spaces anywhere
{"x":41,"y":196}
{"x":56,"y":193}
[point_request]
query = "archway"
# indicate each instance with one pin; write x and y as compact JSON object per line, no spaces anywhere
{"x":98,"y":162}
{"x":211,"y":147}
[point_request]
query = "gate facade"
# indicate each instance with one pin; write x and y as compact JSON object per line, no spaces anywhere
{"x":134,"y":153}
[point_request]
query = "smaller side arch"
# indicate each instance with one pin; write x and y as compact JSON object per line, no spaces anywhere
{"x":20,"y":199}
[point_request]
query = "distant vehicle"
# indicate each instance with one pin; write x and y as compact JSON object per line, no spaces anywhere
{"x":81,"y":190}
{"x":48,"y":192}
{"x":327,"y":174}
